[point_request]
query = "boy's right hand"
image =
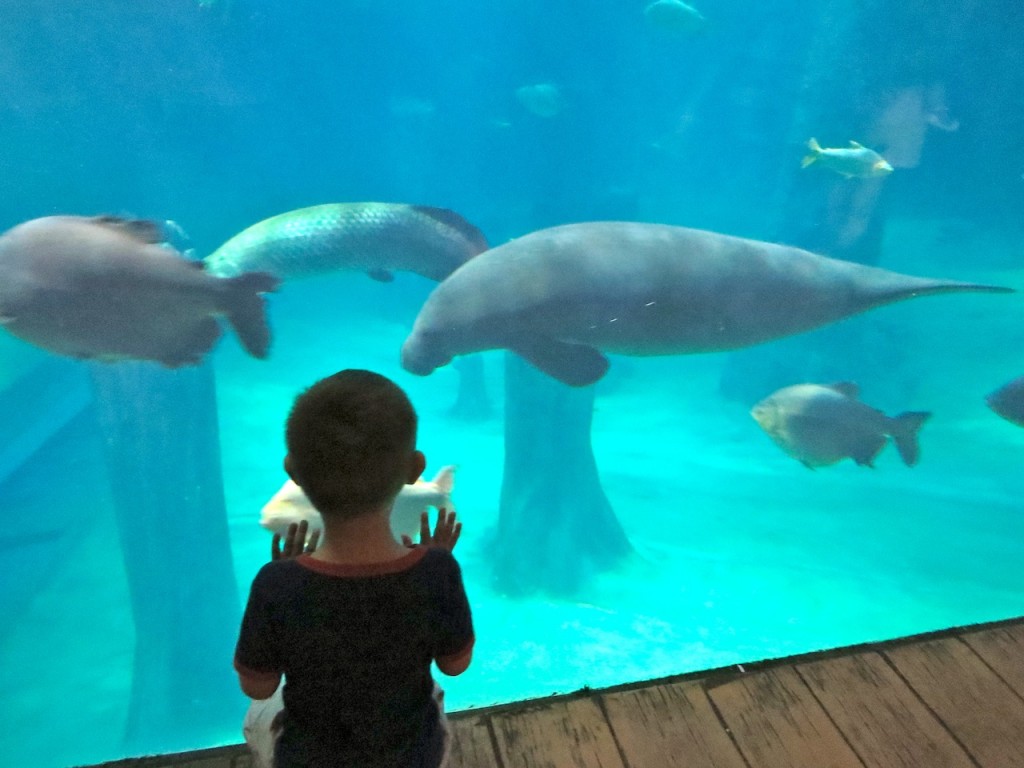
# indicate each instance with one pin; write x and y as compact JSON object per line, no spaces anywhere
{"x":446,"y":532}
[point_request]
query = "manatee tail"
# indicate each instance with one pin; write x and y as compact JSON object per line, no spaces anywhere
{"x":246,"y":309}
{"x":814,"y":154}
{"x":930,"y":287}
{"x":904,"y":429}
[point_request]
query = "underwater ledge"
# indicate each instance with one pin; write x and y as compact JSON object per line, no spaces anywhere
{"x":946,"y":697}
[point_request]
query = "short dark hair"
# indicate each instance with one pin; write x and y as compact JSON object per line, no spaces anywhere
{"x":349,"y":439}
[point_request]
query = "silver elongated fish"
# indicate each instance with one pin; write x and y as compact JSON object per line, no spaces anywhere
{"x":376,"y":238}
{"x":559,"y":297}
{"x":819,"y":425}
{"x":106,"y":288}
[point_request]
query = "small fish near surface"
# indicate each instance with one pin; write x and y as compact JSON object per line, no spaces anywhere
{"x":675,"y":16}
{"x":106,"y":288}
{"x":820,"y":425}
{"x":1008,"y":401}
{"x":290,"y":505}
{"x":375,"y":238}
{"x":855,"y":161}
{"x":562,"y":296}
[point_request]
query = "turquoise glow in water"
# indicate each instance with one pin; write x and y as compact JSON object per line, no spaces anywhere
{"x":218,"y":114}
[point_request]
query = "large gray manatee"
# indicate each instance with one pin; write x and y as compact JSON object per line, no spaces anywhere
{"x":560,"y":296}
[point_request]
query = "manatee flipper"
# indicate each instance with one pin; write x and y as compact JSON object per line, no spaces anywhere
{"x":574,"y":364}
{"x":381,"y":275}
{"x":903,"y":429}
{"x":246,"y":309}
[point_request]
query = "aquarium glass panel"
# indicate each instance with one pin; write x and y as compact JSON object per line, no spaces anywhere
{"x":706,"y":309}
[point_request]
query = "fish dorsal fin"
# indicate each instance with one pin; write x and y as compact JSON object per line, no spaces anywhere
{"x":143,"y":230}
{"x":856,"y":145}
{"x":457,"y":222}
{"x":846,"y":388}
{"x":445,"y":479}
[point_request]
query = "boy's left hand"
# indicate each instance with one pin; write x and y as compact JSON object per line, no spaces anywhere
{"x":446,"y":532}
{"x":295,"y":542}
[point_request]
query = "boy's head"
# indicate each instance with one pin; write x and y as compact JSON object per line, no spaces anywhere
{"x":351,"y":441}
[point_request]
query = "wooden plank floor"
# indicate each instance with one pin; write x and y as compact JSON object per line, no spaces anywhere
{"x":951,"y":699}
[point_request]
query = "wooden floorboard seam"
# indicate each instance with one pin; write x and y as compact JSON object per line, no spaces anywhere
{"x":721,"y":717}
{"x":994,"y":671}
{"x":494,"y":741}
{"x":599,"y":700}
{"x":831,"y":719}
{"x":938,"y":718}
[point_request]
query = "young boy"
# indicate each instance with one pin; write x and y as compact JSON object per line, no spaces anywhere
{"x":354,"y":625}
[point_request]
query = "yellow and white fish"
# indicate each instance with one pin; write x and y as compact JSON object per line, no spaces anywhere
{"x":290,"y":505}
{"x":855,"y":161}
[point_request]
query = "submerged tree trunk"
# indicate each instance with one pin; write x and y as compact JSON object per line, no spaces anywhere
{"x":160,"y":436}
{"x":472,"y":402}
{"x":555,"y":527}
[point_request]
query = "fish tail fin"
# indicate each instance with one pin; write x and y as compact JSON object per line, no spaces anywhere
{"x":904,"y":429}
{"x":445,"y":479}
{"x":246,"y":309}
{"x":815,"y":152}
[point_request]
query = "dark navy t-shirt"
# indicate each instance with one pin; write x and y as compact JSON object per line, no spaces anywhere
{"x":355,"y":644}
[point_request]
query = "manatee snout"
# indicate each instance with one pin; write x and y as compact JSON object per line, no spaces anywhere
{"x":422,"y":354}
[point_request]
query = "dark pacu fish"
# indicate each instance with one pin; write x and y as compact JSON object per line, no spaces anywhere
{"x":375,"y":238}
{"x":1008,"y":401}
{"x":819,"y":425}
{"x":104,"y":288}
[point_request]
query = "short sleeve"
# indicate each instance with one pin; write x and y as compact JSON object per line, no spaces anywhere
{"x":455,"y":635}
{"x":257,"y":653}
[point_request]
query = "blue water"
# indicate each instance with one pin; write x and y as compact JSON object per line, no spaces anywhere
{"x":219,"y":114}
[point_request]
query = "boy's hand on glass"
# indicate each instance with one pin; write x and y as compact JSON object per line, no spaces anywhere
{"x":446,"y":532}
{"x":295,"y":542}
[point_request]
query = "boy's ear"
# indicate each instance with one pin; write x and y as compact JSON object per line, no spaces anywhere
{"x":417,"y":463}
{"x":288,"y":467}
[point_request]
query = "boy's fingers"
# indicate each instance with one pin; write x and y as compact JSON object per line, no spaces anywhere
{"x":275,"y":547}
{"x":313,"y":541}
{"x":424,"y":527}
{"x":456,"y":532}
{"x":289,"y":538}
